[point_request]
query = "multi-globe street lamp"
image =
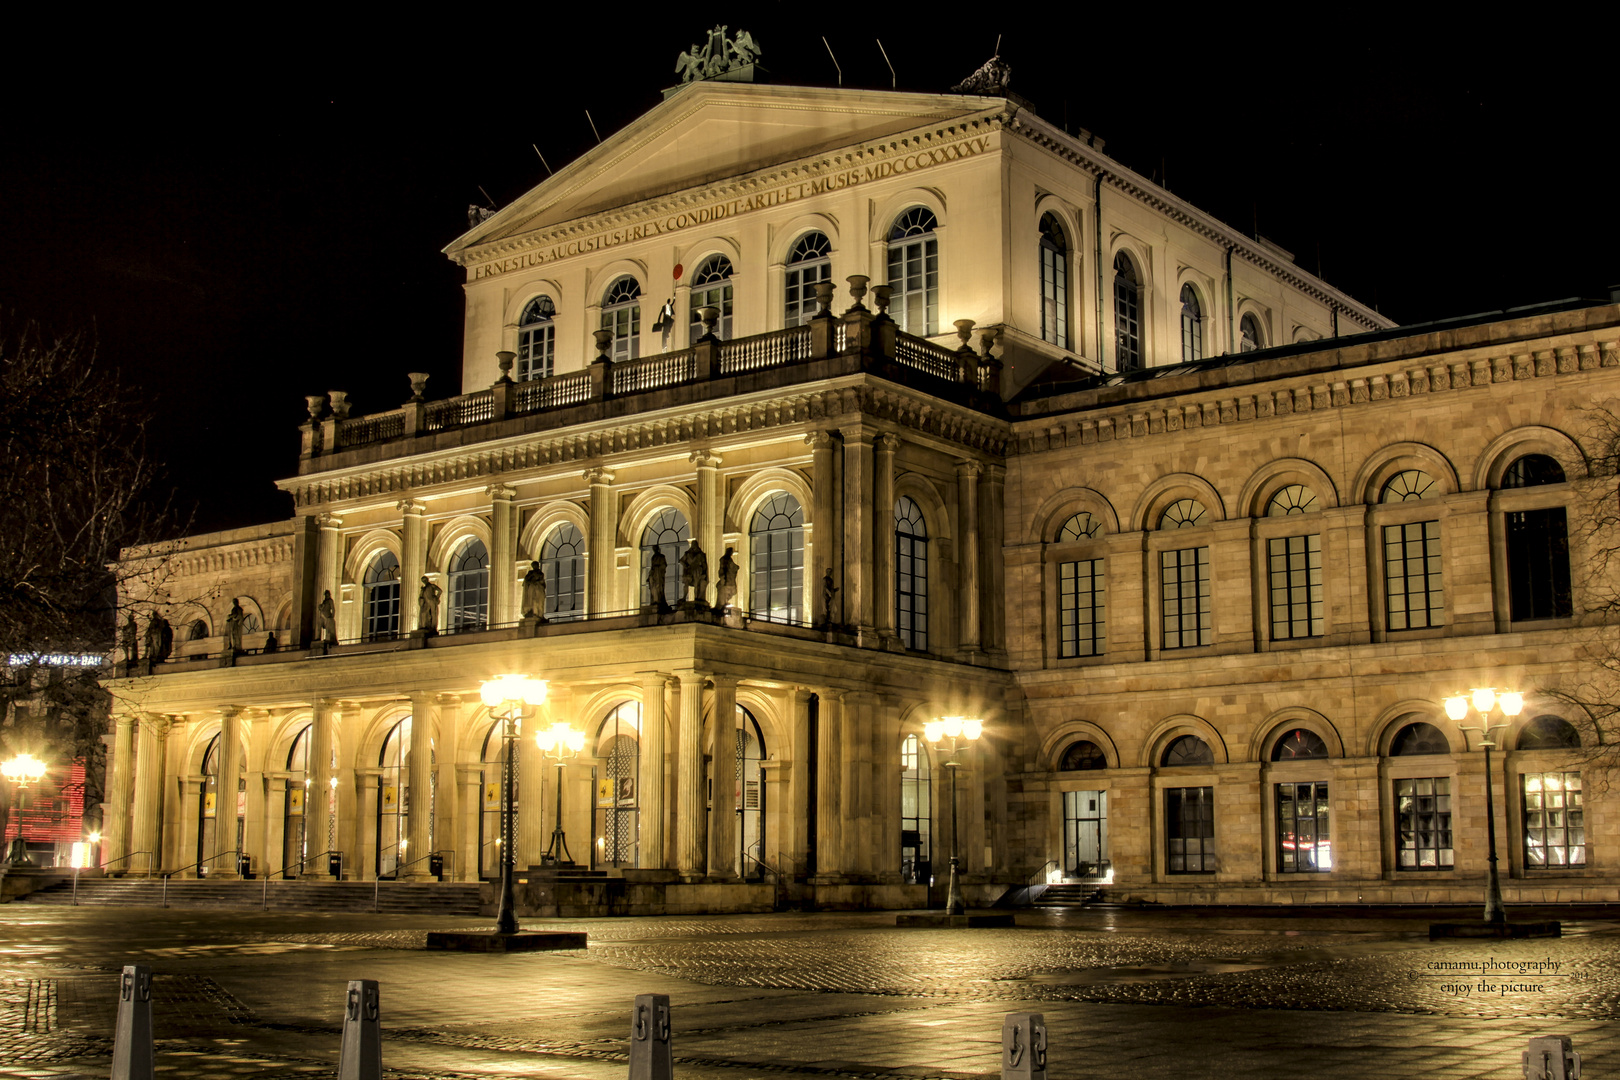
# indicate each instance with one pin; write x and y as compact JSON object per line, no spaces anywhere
{"x":560,"y":742}
{"x":23,"y":770}
{"x":508,"y":697}
{"x":961,"y":731}
{"x":1511,"y":703}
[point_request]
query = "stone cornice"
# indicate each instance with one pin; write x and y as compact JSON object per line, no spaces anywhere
{"x":1309,"y":391}
{"x":235,"y":557}
{"x":783,"y":410}
{"x":1149,"y":194}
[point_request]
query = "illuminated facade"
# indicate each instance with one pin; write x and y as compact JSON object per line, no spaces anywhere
{"x":967,"y":404}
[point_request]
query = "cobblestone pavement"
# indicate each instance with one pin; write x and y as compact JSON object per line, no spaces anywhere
{"x":1203,"y":994}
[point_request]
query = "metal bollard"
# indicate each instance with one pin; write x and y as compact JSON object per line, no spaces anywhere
{"x":1023,"y":1047}
{"x":132,"y":1045}
{"x":1551,"y":1057}
{"x":361,"y":1055}
{"x":651,"y":1057}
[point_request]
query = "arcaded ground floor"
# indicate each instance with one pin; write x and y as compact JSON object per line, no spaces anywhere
{"x":1185,"y":993}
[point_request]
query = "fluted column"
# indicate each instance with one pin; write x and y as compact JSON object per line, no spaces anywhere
{"x":723,"y":770}
{"x":423,"y":714}
{"x":599,"y":569}
{"x":689,"y":778}
{"x":230,"y":771}
{"x":993,"y":569}
{"x":650,"y":849}
{"x":329,"y":568}
{"x":412,"y":562}
{"x":829,"y":786}
{"x":535,"y":780}
{"x":255,"y":814}
{"x":502,"y":554}
{"x":798,"y":818}
{"x":826,"y":531}
{"x":967,"y":556}
{"x":318,"y":797}
{"x":115,"y":831}
{"x":447,"y":811}
{"x":710,"y":525}
{"x":858,"y":508}
{"x":146,"y":832}
{"x":883,"y":448}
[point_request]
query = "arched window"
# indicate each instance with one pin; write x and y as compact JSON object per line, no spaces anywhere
{"x":380,"y":590}
{"x":910,"y":574}
{"x":711,"y":287}
{"x":1414,"y":596}
{"x":776,"y":543}
{"x":562,"y":560}
{"x":747,"y":859}
{"x":1054,"y":252}
{"x":1082,"y":604}
{"x":1419,"y":738}
{"x":1184,"y":582}
{"x":618,"y":742}
{"x":394,"y":803}
{"x":1293,"y":499}
{"x":1251,"y":337}
{"x":916,"y":812}
{"x":667,"y":533}
{"x":1549,"y":733}
{"x":1299,"y":745}
{"x":1127,"y":315}
{"x":1187,"y":750}
{"x":1082,"y":755}
{"x":621,"y":314}
{"x":1537,"y":546}
{"x":294,"y":844}
{"x":536,"y":339}
{"x":809,"y":263}
{"x":914,"y":271}
{"x":215,"y":844}
{"x":469,"y":587}
{"x":1294,"y":566}
{"x":491,"y":784}
{"x":1192,"y":325}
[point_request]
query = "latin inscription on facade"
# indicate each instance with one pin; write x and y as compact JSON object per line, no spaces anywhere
{"x":764,"y":200}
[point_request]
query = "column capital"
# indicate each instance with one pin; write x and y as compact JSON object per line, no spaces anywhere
{"x":995,"y":474}
{"x":725,"y":680}
{"x":703,"y":459}
{"x":500,"y":492}
{"x":832,"y":694}
{"x":330,"y":521}
{"x":230,"y":711}
{"x":412,"y":507}
{"x":821,"y":440}
{"x":447,"y":699}
{"x":650,"y":679}
{"x":886,"y":443}
{"x":598,"y":476}
{"x":691,"y":676}
{"x":969,"y":468}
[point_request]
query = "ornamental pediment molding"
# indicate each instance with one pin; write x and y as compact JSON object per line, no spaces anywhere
{"x":773,"y":186}
{"x":1337,"y":389}
{"x":927,"y":418}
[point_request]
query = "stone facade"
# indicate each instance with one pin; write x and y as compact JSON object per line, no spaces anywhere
{"x":991,"y":506}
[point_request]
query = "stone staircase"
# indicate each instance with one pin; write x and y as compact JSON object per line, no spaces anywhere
{"x":1069,"y":894}
{"x":392,"y":897}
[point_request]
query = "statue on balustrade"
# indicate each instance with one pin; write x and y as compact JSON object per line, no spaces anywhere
{"x":127,"y":637}
{"x":427,"y":607}
{"x":534,"y":592}
{"x":828,"y":591}
{"x":726,"y":589}
{"x":233,"y":628}
{"x":695,"y":572}
{"x":159,"y":639}
{"x":657,"y":577}
{"x":326,"y":620}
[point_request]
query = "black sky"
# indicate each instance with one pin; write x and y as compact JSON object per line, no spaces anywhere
{"x":240,"y":222}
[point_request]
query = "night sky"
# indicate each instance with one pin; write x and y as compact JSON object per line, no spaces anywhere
{"x":242,"y":223}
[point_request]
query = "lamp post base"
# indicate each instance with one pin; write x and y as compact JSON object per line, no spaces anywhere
{"x":954,"y":904}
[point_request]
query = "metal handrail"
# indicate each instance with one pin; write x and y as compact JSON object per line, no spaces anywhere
{"x":264,"y":893}
{"x":237,"y":853}
{"x":131,"y":855}
{"x":376,"y":887}
{"x":1041,"y":873}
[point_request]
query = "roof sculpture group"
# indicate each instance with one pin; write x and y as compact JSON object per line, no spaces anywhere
{"x":717,"y":56}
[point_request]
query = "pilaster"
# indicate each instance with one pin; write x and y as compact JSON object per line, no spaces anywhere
{"x":829,"y":787}
{"x":412,"y":562}
{"x":967,"y":556}
{"x":229,"y":779}
{"x":723,"y":769}
{"x":689,"y":778}
{"x":115,"y":830}
{"x":858,"y":531}
{"x":502,"y":555}
{"x":146,"y":830}
{"x":650,"y":853}
{"x":424,"y":714}
{"x":826,"y":529}
{"x":710,"y":525}
{"x":599,"y":569}
{"x":884,"y":447}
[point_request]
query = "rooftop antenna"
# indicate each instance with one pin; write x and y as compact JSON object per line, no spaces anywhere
{"x":486,"y":195}
{"x":598,"y":134}
{"x":893,"y":82}
{"x":542,"y":157}
{"x":834,"y":60}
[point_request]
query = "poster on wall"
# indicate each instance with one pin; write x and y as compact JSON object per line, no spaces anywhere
{"x":295,"y":800}
{"x":390,"y":798}
{"x":492,"y":795}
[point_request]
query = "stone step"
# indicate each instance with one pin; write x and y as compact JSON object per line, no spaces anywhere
{"x":1068,"y":895}
{"x":449,"y":898}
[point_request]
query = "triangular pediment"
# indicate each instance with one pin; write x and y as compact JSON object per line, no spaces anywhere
{"x":709,"y":132}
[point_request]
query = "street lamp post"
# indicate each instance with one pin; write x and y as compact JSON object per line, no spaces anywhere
{"x":22,"y":771}
{"x":1484,"y":700}
{"x":507,"y":696}
{"x":960,"y":731}
{"x":560,"y":742}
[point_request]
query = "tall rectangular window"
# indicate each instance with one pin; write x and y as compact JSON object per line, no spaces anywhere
{"x":1188,"y":620}
{"x":1189,"y":825}
{"x":1302,"y":828}
{"x":1296,"y":587}
{"x":1554,"y":825}
{"x":1085,"y":831}
{"x":1081,"y":608}
{"x":1412,"y":589}
{"x":1538,"y":564}
{"x":1423,"y":823}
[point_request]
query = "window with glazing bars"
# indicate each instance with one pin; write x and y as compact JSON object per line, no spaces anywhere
{"x":1423,"y":823}
{"x":469,"y":587}
{"x":1302,"y":828}
{"x":1296,"y":587}
{"x":776,"y":536}
{"x":536,"y":339}
{"x":1081,"y":608}
{"x":1127,"y":316}
{"x":621,"y":315}
{"x":1190,"y":829}
{"x":910,"y":574}
{"x":381,"y":587}
{"x":809,"y":264}
{"x":914,"y":272}
{"x":711,"y":287}
{"x":1412,"y":589}
{"x":1185,"y":600}
{"x":1054,"y":251}
{"x":1554,"y":824}
{"x":562,"y":560}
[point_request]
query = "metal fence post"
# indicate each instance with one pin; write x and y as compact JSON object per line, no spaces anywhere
{"x":361,"y":1054}
{"x":1023,"y":1047}
{"x":651,"y":1057}
{"x":133,"y":1056}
